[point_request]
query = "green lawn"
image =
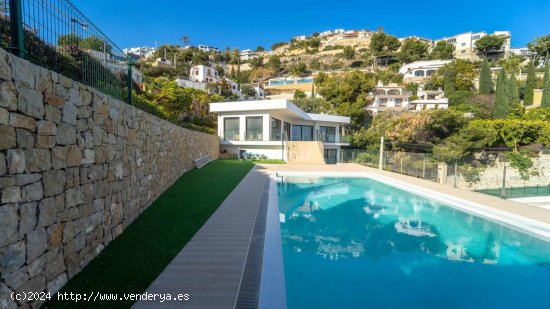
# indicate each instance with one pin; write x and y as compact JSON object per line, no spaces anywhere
{"x":135,"y":258}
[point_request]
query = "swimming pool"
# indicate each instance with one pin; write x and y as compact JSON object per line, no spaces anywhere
{"x":357,"y":242}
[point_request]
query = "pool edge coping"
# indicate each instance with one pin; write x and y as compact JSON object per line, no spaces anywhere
{"x":515,"y":221}
{"x":272,"y":283}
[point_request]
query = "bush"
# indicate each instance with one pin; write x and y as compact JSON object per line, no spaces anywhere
{"x":522,"y":162}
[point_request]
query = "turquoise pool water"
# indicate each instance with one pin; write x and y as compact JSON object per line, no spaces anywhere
{"x":359,"y":243}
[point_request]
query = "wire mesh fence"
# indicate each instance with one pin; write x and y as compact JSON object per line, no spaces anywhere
{"x":54,"y":34}
{"x":486,"y":171}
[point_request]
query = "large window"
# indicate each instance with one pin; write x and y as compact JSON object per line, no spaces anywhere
{"x":328,"y":134}
{"x":254,"y":128}
{"x":231,"y":129}
{"x":275,"y":129}
{"x":302,"y":133}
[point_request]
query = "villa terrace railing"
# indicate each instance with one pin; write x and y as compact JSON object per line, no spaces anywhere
{"x":54,"y":34}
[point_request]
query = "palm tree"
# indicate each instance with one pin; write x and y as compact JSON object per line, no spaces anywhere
{"x":185,"y":40}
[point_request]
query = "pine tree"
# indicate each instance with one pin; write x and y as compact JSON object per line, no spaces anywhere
{"x":502,"y":104}
{"x":530,"y":85}
{"x":545,"y":102}
{"x":512,"y":90}
{"x":449,"y":85}
{"x":485,"y":80}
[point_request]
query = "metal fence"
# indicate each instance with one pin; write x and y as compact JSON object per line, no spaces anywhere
{"x":419,"y":165}
{"x":518,"y":192}
{"x":486,"y":172}
{"x":55,"y":35}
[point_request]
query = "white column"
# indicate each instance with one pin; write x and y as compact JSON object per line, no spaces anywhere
{"x":242,"y":127}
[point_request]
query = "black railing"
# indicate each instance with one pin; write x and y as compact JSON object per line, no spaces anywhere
{"x":518,"y":192}
{"x":55,"y":35}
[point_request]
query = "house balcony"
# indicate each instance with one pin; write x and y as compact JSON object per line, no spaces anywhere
{"x":257,"y":139}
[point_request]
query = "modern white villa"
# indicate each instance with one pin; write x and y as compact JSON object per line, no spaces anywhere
{"x":278,"y":129}
{"x":421,"y":71}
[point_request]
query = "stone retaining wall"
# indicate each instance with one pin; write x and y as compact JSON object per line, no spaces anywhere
{"x":491,"y":176}
{"x":76,"y":168}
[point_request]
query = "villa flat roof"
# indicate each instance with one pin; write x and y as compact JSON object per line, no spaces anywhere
{"x":280,"y":104}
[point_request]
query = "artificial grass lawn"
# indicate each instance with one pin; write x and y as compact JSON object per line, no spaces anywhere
{"x":134,"y":259}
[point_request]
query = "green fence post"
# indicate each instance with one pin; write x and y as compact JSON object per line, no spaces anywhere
{"x":16,"y":26}
{"x":503,"y":193}
{"x":129,"y":80}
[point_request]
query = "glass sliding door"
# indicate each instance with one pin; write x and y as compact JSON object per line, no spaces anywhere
{"x":231,"y":129}
{"x":302,"y":133}
{"x":275,"y":129}
{"x":307,"y":133}
{"x":296,"y":133}
{"x":254,"y":128}
{"x":328,"y":134}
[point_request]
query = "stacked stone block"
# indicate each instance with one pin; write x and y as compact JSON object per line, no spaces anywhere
{"x":76,"y":168}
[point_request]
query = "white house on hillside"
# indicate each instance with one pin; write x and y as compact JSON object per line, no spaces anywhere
{"x":275,"y":128}
{"x":247,"y":54}
{"x":465,"y":47}
{"x":420,"y":71}
{"x":203,"y":74}
{"x":390,"y":97}
{"x":430,"y":99}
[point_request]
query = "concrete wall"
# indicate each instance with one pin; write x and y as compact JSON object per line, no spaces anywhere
{"x":76,"y":168}
{"x":305,"y":152}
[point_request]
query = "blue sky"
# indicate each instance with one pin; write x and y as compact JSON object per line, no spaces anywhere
{"x":247,"y":24}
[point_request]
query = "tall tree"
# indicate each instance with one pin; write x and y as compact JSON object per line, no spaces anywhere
{"x":540,"y":48}
{"x":349,"y":52}
{"x":185,"y":40}
{"x":274,"y":62}
{"x":545,"y":102}
{"x":512,"y":90}
{"x":485,"y":79}
{"x":489,"y":43}
{"x":442,"y":50}
{"x":502,"y":104}
{"x":530,"y":85}
{"x":449,"y":85}
{"x":412,"y":50}
{"x":383,"y":45}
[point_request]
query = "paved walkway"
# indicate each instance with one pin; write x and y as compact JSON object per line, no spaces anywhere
{"x":211,"y":266}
